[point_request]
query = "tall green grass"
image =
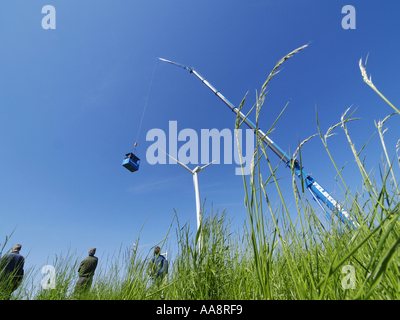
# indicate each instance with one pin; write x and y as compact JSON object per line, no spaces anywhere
{"x":311,"y":254}
{"x":282,"y":251}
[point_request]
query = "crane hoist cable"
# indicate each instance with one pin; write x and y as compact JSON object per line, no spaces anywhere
{"x":145,"y":105}
{"x":131,"y":160}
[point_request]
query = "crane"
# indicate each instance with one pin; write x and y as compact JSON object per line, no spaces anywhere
{"x":319,"y":194}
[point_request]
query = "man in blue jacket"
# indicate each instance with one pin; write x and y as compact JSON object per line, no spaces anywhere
{"x":11,"y":271}
{"x":158,"y":266}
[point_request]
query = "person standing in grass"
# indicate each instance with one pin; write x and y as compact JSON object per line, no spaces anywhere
{"x":11,"y":271}
{"x":158,"y":266}
{"x":86,"y":272}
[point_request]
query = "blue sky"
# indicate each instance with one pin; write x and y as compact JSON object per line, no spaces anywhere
{"x":72,"y":99}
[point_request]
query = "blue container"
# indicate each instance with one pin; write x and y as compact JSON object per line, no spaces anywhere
{"x":131,"y":162}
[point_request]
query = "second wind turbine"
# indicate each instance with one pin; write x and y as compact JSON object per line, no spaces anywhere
{"x":194,"y":172}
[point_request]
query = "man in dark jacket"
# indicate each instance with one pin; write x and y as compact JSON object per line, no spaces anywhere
{"x":11,"y":271}
{"x":86,"y":272}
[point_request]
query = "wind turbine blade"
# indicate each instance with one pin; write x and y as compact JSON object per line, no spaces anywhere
{"x":183,"y":165}
{"x":206,"y":165}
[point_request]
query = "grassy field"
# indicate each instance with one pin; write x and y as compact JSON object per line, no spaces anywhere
{"x":280,"y":253}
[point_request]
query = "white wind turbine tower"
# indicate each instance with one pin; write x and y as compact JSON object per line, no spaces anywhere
{"x":194,"y":172}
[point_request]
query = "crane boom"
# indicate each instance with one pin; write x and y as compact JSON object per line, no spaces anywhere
{"x":319,"y":194}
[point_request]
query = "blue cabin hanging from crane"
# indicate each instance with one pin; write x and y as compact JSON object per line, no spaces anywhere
{"x":131,"y":162}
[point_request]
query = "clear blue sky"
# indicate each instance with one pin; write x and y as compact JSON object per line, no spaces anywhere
{"x":72,"y":99}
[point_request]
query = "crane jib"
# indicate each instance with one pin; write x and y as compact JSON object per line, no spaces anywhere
{"x":274,"y":147}
{"x":319,"y":194}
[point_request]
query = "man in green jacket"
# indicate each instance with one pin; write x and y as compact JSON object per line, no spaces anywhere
{"x":86,"y":272}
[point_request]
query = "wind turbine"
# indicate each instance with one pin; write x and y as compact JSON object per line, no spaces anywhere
{"x":194,"y":172}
